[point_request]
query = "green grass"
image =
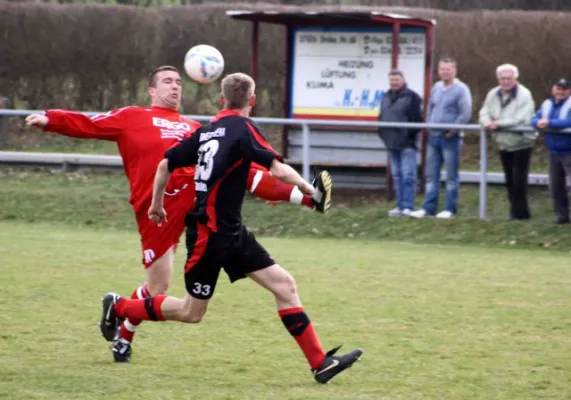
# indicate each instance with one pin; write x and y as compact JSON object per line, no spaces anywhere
{"x":99,"y":200}
{"x":435,"y":322}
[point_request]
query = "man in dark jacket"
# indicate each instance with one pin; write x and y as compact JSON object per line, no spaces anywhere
{"x":401,"y":104}
{"x":553,"y":115}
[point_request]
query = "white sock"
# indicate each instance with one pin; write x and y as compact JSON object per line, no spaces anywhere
{"x":129,"y":326}
{"x":296,"y":196}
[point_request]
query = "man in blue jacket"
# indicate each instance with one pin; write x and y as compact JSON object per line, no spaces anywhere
{"x":555,"y":114}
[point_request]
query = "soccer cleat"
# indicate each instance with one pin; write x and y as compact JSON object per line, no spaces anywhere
{"x":322,"y":196}
{"x":333,"y":365}
{"x":109,"y":321}
{"x":121,"y":348}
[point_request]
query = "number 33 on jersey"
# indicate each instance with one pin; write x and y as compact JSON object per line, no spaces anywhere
{"x":222,"y":152}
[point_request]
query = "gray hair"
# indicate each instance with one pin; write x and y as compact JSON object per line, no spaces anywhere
{"x":508,"y":67}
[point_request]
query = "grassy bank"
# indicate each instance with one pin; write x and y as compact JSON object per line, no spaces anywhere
{"x":99,"y":200}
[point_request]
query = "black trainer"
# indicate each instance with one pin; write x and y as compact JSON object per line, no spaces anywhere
{"x":322,"y":196}
{"x":121,"y":348}
{"x":333,"y":365}
{"x":109,"y":321}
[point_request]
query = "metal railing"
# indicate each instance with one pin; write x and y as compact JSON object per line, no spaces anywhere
{"x":306,"y":137}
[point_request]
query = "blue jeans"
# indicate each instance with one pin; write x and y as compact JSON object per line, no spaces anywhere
{"x":442,"y":150}
{"x":403,"y":171}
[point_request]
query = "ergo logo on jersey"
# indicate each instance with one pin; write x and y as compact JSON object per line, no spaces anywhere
{"x":165,"y":123}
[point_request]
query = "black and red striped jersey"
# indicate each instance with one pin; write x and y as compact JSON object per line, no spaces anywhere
{"x":222,"y":152}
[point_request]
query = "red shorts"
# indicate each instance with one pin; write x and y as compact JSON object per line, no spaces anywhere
{"x":155,"y":240}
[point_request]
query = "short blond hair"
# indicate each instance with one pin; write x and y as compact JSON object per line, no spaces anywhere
{"x":237,"y":90}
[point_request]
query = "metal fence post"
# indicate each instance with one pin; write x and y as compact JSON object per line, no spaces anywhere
{"x":483,"y":172}
{"x":305,"y":152}
{"x":4,"y":103}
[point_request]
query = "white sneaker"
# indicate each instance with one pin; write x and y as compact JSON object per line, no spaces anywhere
{"x":421,"y":213}
{"x":406,"y":212}
{"x":445,"y":214}
{"x":395,"y":212}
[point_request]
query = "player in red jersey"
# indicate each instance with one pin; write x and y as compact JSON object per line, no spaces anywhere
{"x":216,"y":238}
{"x":143,"y":134}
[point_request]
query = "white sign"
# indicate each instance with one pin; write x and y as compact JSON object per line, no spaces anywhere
{"x":343,"y":73}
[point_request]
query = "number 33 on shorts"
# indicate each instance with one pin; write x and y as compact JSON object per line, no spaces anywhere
{"x":201,"y":289}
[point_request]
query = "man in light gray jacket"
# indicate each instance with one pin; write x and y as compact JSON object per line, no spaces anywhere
{"x":506,"y":105}
{"x":450,"y":103}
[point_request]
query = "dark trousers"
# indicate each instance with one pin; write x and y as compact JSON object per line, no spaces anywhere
{"x":559,"y":170}
{"x":516,"y":171}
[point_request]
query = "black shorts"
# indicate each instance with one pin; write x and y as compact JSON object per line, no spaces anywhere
{"x":208,"y":252}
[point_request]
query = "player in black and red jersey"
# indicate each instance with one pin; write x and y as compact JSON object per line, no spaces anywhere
{"x":216,"y":238}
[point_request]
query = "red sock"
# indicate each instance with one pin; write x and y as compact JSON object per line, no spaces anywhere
{"x":300,"y":327}
{"x":148,"y":309}
{"x":130,"y":325}
{"x":266,"y":187}
{"x":307,"y":201}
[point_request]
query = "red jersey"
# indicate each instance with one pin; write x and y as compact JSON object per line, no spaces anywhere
{"x":143,"y":135}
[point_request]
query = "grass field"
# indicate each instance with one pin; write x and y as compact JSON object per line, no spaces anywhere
{"x":435,"y":322}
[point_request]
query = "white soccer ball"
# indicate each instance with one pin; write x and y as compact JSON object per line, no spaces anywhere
{"x":203,"y":63}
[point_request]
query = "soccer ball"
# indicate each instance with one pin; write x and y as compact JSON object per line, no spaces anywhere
{"x":203,"y":63}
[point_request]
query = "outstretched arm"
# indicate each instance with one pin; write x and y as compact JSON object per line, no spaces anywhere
{"x":288,"y":175}
{"x":260,"y":152}
{"x":74,"y":124}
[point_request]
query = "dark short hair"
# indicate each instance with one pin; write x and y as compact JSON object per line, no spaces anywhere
{"x":448,"y":60}
{"x":396,"y":72}
{"x":153,"y":75}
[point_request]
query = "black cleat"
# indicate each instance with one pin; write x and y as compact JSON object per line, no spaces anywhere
{"x":322,"y":196}
{"x":109,"y":321}
{"x":333,"y":365}
{"x":121,"y":348}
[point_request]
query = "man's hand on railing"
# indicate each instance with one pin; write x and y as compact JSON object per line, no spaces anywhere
{"x":37,"y":120}
{"x":491,"y":125}
{"x":543,"y":123}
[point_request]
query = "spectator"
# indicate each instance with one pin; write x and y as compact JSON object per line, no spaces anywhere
{"x":401,"y":104}
{"x":450,"y":103}
{"x":554,"y":114}
{"x":511,"y":104}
